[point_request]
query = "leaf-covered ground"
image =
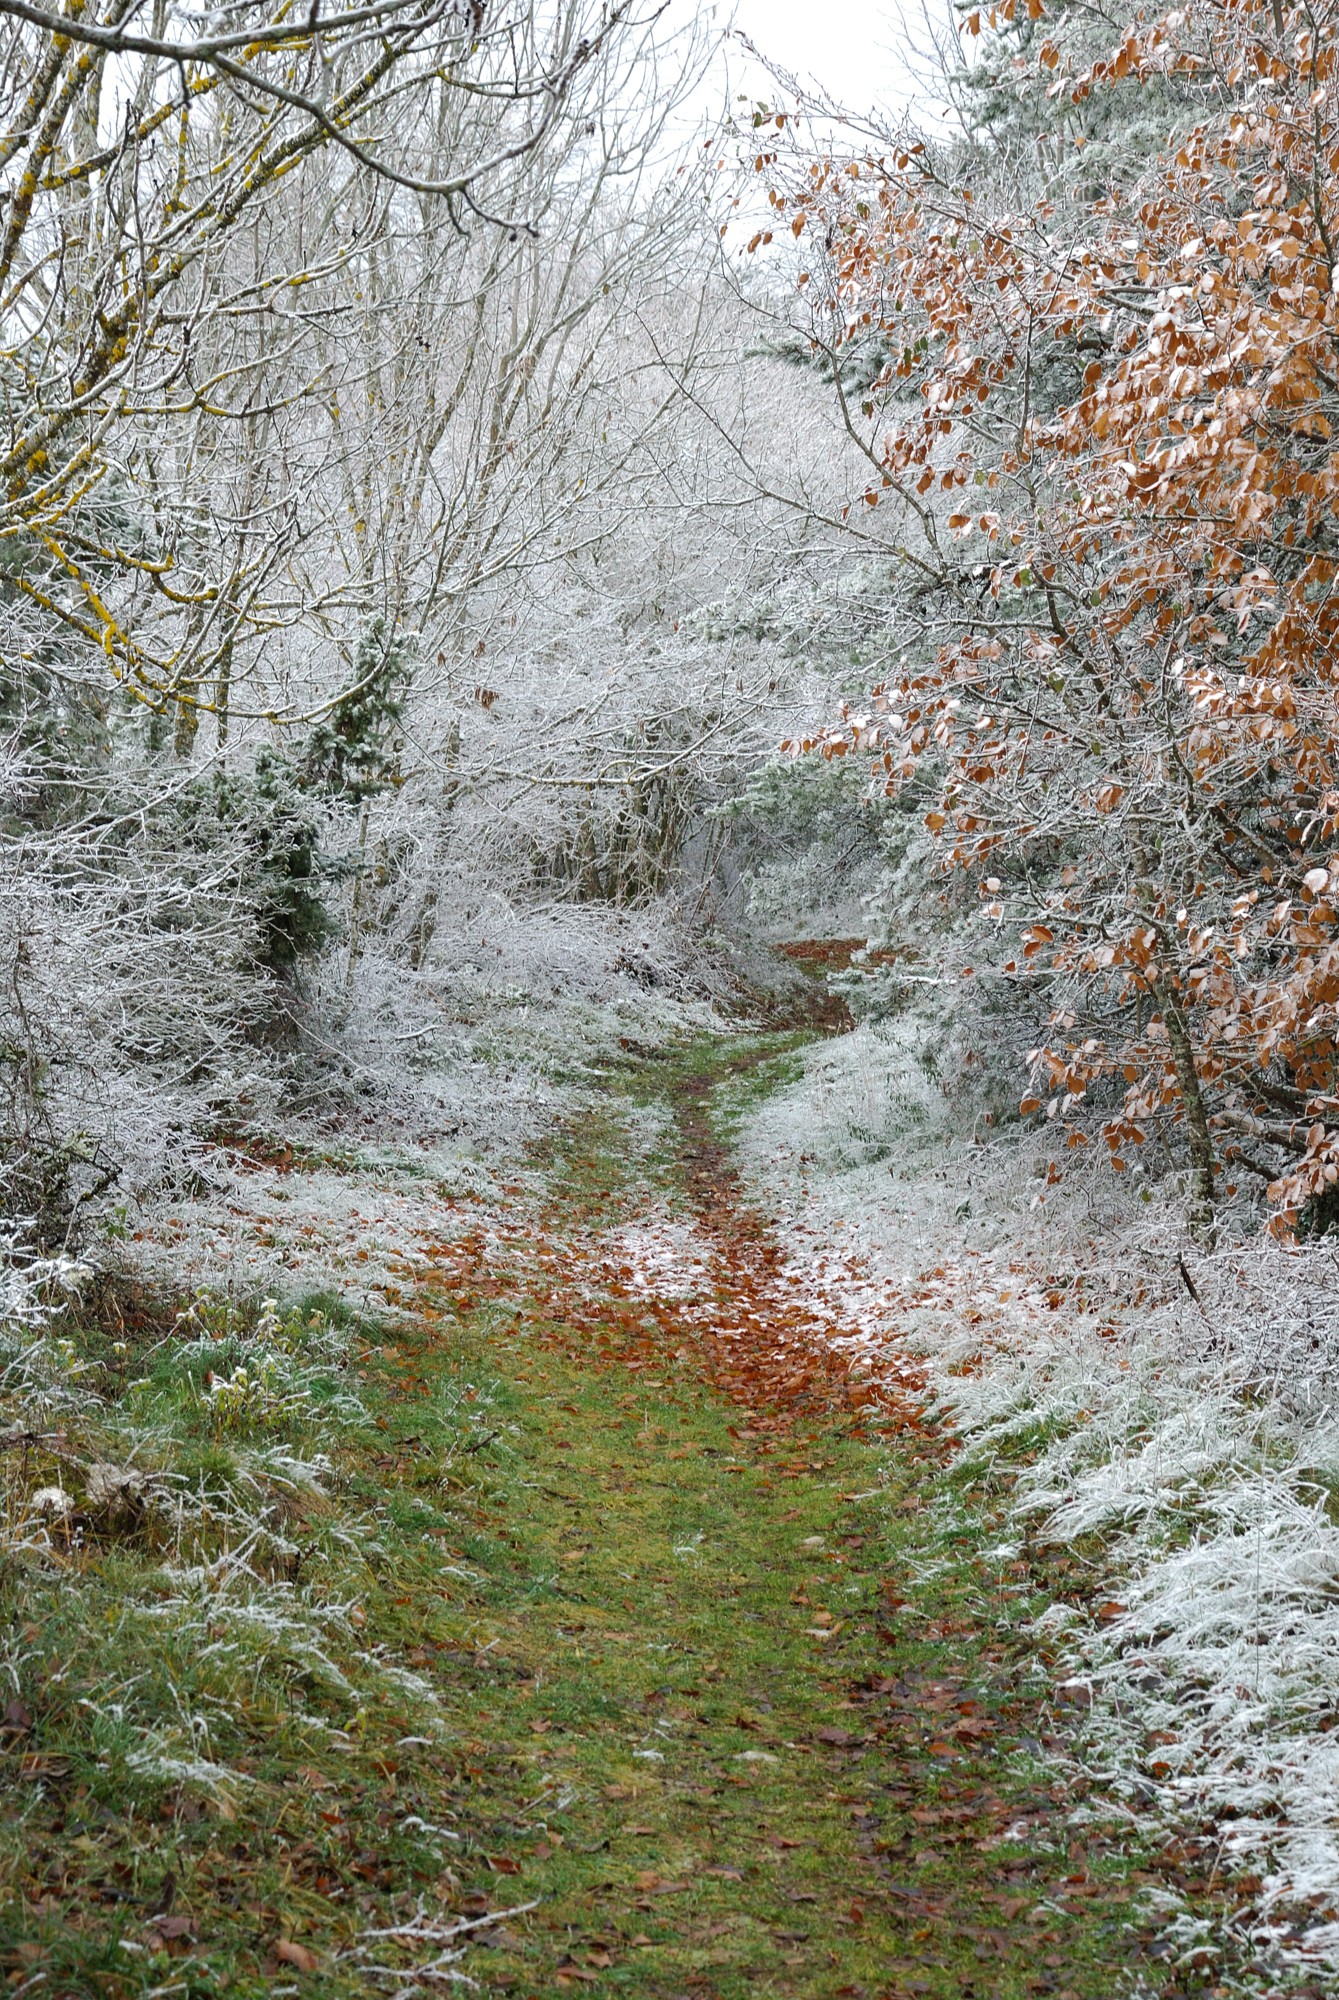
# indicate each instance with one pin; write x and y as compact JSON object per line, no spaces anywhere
{"x":656,"y":1652}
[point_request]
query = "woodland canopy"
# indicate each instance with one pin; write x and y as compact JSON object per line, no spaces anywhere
{"x":424,"y":499}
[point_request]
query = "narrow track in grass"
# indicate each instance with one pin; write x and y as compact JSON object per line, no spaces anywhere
{"x":778,"y":1721}
{"x":727,"y":1691}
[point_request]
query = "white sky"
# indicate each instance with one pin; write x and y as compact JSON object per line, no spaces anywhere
{"x":861,"y":51}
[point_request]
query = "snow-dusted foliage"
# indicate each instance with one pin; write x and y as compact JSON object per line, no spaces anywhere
{"x":432,"y":668}
{"x":126,"y":1001}
{"x":438,"y":757}
{"x":1170,"y":1414}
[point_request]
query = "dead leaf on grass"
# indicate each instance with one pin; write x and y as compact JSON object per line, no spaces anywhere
{"x":39,"y":1764}
{"x":174,"y":1927}
{"x":297,"y":1955}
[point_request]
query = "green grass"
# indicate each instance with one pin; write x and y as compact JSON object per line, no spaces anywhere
{"x":540,"y":1634}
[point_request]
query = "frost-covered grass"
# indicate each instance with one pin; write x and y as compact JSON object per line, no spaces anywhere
{"x":414,"y":1094}
{"x":203,"y":1536}
{"x":301,"y":1604}
{"x":1182,"y":1444}
{"x":163,"y":1494}
{"x":196,"y":1500}
{"x":355,"y":1226}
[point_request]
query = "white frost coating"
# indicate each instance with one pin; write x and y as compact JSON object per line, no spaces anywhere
{"x":28,"y":1284}
{"x":264,"y":1227}
{"x":661,"y":1257}
{"x":1199,"y":1440}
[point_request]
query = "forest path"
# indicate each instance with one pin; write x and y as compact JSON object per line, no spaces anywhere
{"x":744,"y":1706}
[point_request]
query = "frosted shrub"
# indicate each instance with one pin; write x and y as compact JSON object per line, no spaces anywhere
{"x":248,"y":1396}
{"x":39,"y":1368}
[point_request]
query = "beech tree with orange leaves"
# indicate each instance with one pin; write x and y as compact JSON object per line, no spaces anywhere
{"x":1102,"y":431}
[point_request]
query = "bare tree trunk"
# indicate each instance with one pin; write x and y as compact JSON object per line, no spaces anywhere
{"x":356,"y":902}
{"x":1199,"y":1213}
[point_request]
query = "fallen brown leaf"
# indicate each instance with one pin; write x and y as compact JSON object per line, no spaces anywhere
{"x":38,"y":1764}
{"x":297,"y":1955}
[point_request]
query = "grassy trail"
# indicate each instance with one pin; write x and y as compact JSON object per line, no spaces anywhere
{"x":760,"y":1721}
{"x":735,"y":1702}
